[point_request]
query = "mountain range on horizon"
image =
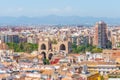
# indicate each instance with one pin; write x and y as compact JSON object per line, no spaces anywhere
{"x":53,"y":19}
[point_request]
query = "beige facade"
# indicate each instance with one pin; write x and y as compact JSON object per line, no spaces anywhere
{"x":115,"y":38}
{"x":3,"y":46}
{"x":47,"y":46}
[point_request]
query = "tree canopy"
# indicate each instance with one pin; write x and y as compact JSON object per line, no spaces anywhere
{"x":85,"y":48}
{"x":22,"y":47}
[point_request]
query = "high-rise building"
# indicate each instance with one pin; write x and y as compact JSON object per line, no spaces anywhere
{"x":101,"y":35}
{"x":7,"y":38}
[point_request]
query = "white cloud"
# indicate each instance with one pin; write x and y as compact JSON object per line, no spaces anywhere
{"x":55,"y":10}
{"x":19,"y":9}
{"x":66,"y":9}
{"x":14,"y":9}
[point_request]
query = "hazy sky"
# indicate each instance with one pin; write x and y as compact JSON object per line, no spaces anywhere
{"x":95,"y":8}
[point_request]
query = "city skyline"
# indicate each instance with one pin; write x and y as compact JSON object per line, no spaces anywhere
{"x":38,"y":8}
{"x":59,"y":40}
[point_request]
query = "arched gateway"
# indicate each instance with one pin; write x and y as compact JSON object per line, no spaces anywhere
{"x":44,"y":55}
{"x":62,"y":47}
{"x":43,"y":47}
